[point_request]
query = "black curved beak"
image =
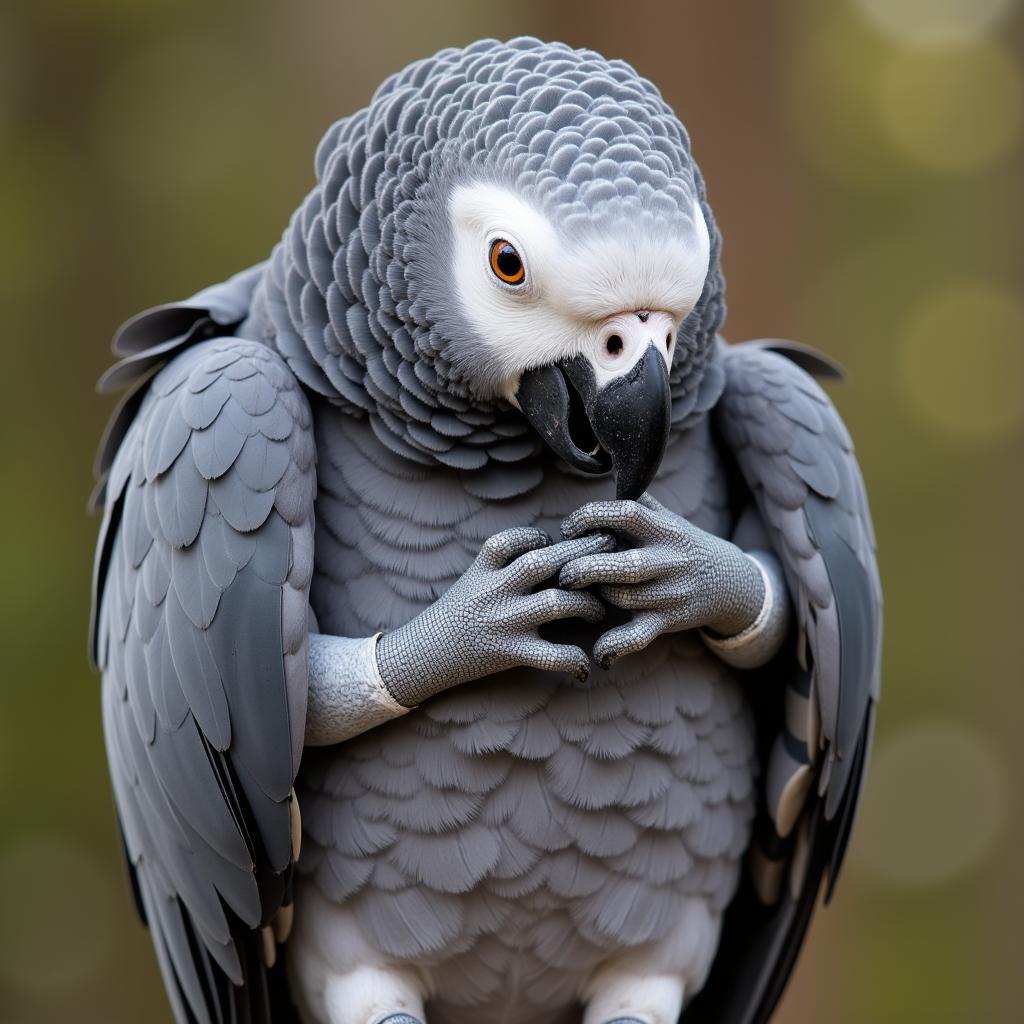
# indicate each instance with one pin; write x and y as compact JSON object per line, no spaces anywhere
{"x":622,"y":427}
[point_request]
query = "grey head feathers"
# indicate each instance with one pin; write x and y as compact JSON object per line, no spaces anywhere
{"x":358,"y":295}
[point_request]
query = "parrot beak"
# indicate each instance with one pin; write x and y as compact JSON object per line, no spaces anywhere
{"x":600,"y":421}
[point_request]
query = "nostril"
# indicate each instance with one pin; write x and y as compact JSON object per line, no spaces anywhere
{"x":668,"y":341}
{"x":613,"y":345}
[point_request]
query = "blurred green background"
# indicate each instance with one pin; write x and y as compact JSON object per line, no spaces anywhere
{"x":864,"y":159}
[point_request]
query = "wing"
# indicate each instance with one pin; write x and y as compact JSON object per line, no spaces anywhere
{"x":200,"y":609}
{"x":796,"y":458}
{"x":148,"y":340}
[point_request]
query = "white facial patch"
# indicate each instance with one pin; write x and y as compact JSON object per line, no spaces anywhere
{"x":571,"y":286}
{"x":516,"y":324}
{"x":604,"y":275}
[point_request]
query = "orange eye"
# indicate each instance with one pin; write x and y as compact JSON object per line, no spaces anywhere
{"x":506,"y":262}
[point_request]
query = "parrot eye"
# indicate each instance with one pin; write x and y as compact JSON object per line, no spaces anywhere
{"x":506,"y":263}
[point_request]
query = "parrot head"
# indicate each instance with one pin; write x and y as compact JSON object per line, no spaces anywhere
{"x":510,"y":246}
{"x":577,"y":326}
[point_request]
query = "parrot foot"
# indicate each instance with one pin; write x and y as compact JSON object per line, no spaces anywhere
{"x":401,"y":1018}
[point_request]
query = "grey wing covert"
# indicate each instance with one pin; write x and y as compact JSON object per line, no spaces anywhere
{"x":200,"y":611}
{"x":817,"y":699}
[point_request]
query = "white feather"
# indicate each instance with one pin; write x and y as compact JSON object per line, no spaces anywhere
{"x":573,"y":286}
{"x":336,"y":976}
{"x":648,"y":983}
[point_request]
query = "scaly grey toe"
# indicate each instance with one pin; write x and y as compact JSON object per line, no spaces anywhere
{"x":625,"y":1020}
{"x":405,"y":1018}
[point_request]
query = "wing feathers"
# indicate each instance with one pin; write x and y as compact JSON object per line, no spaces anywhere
{"x":796,"y":457}
{"x":203,"y":656}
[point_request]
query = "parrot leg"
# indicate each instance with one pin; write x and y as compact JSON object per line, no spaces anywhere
{"x":337,"y":978}
{"x":646,"y":984}
{"x":618,"y":996}
{"x":373,"y":995}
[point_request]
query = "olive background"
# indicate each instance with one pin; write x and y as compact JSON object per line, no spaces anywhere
{"x":864,"y":161}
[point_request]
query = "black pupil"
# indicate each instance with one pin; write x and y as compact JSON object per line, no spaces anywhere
{"x":508,"y":261}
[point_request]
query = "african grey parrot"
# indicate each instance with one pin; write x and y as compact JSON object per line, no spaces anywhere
{"x":326,"y":581}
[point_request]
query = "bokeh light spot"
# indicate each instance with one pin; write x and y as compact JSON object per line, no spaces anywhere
{"x":934,"y":807}
{"x":56,"y":929}
{"x":925,"y":22}
{"x":832,"y":82}
{"x":953,"y":109}
{"x":962,"y":359}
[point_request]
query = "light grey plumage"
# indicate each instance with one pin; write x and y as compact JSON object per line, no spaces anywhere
{"x":585,"y":813}
{"x":205,"y":561}
{"x":513,"y":834}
